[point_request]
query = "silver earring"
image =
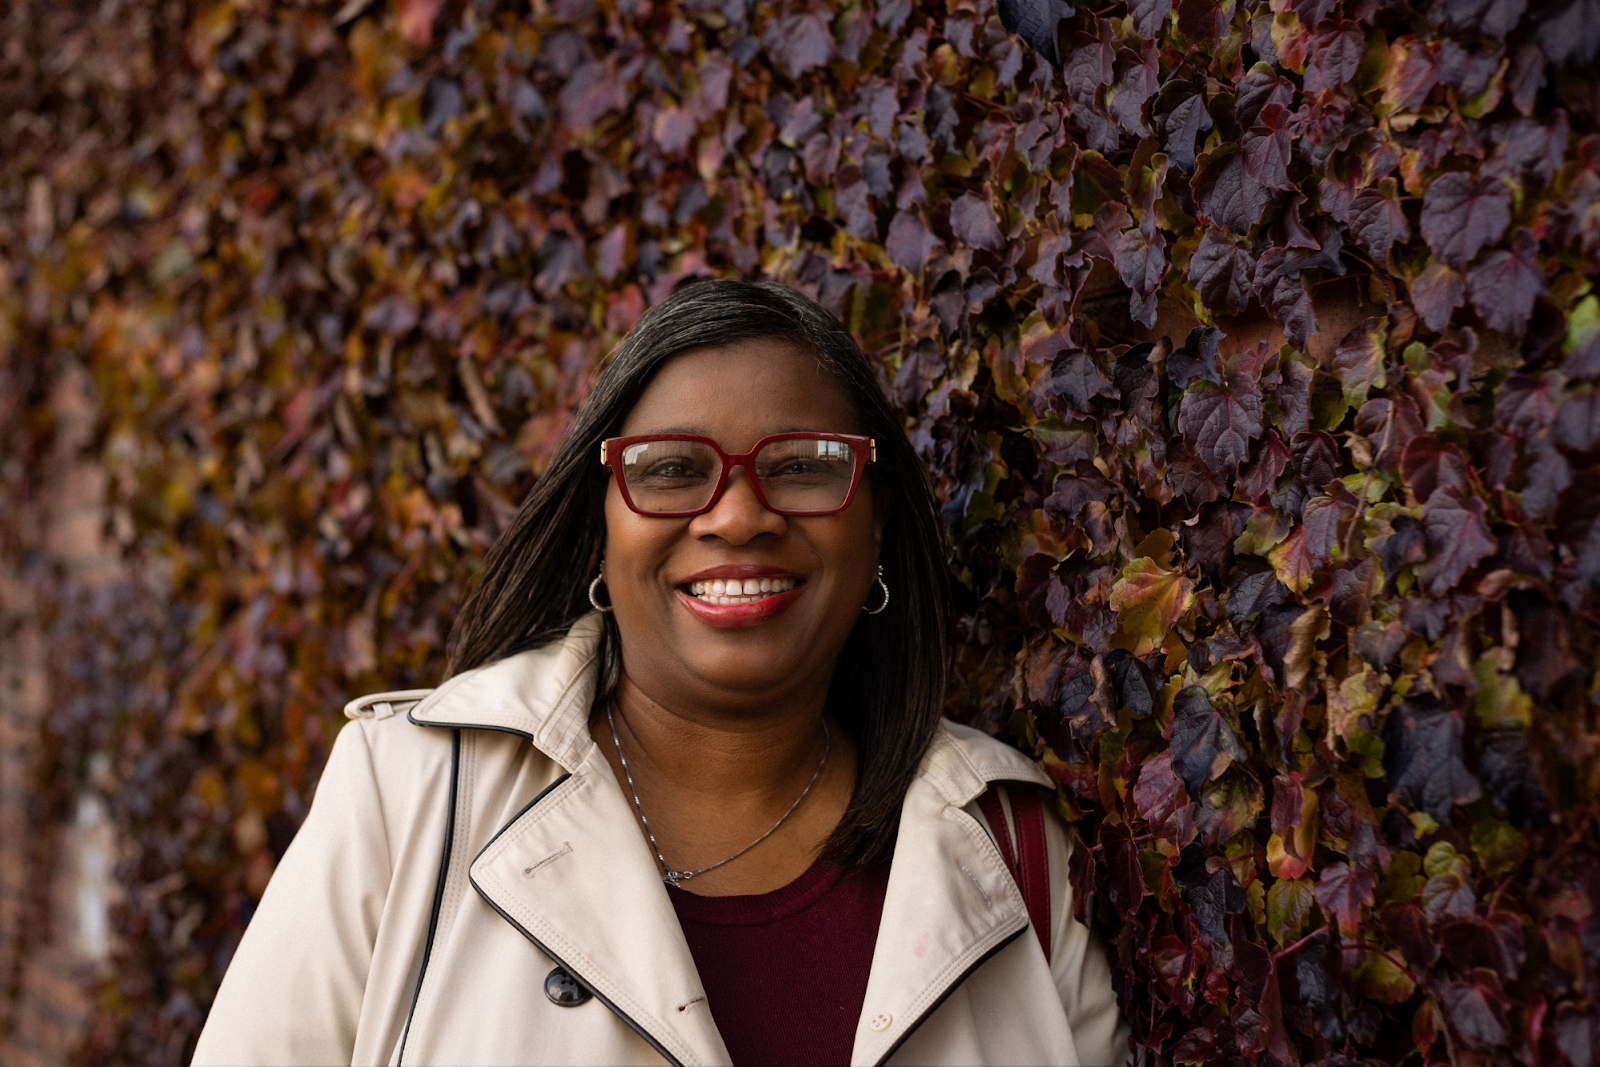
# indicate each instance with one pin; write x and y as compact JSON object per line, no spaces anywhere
{"x":592,"y":598}
{"x":885,"y":587}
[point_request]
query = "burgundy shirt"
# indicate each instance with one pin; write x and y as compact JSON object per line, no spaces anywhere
{"x":786,"y":972}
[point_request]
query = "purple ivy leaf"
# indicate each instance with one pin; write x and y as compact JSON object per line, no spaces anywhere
{"x":1460,"y":215}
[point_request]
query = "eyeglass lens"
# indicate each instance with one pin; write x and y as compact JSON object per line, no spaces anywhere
{"x":798,"y":474}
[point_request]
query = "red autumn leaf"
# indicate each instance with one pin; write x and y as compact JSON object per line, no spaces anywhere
{"x":1460,"y":215}
{"x":1263,"y":85}
{"x":1179,"y":115}
{"x":415,"y":20}
{"x":1090,"y":64}
{"x":1436,"y":293}
{"x":1136,"y":78}
{"x":1124,"y":881}
{"x":909,"y":242}
{"x":1457,"y":535}
{"x":1141,"y":262}
{"x":1504,"y":286}
{"x":1525,"y":406}
{"x":1426,"y":465}
{"x":1265,"y":148}
{"x":1475,"y":1011}
{"x":593,"y":90}
{"x":1358,"y":361}
{"x":1162,"y":801}
{"x":1316,"y":457}
{"x":1320,"y":522}
{"x":1577,"y":423}
{"x":973,"y":220}
{"x":1494,"y":941}
{"x":1227,"y":194}
{"x":1288,"y":802}
{"x":1220,"y":421}
{"x":1221,"y":271}
{"x":1074,"y":381}
{"x":1336,"y":53}
{"x":1149,"y":15}
{"x":1259,"y":476}
{"x":799,"y":42}
{"x":1377,"y":223}
{"x":1412,"y":74}
{"x":1341,"y":892}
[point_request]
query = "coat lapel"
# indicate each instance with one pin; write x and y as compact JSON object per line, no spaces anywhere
{"x":573,"y":873}
{"x":950,"y":906}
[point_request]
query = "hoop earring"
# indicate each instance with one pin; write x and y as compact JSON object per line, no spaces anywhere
{"x":592,"y":599}
{"x":885,"y":587}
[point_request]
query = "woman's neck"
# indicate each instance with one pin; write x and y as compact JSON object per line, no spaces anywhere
{"x":720,"y":755}
{"x":710,"y":784}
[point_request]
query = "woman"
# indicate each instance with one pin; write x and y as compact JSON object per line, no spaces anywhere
{"x":687,"y":796}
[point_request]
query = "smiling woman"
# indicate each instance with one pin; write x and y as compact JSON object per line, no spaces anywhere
{"x":688,"y":795}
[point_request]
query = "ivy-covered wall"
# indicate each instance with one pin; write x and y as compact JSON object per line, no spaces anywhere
{"x":1253,"y":347}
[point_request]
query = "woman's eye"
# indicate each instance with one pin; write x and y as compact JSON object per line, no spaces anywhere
{"x":671,"y":468}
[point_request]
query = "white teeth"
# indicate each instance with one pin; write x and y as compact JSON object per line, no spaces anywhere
{"x":734,"y":591}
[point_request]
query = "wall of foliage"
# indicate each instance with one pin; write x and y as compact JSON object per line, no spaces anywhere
{"x":1254,"y":347}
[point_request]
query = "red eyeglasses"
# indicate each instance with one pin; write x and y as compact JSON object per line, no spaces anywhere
{"x":676,"y":475}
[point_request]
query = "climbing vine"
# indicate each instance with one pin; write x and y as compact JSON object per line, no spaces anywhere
{"x":1253,"y":347}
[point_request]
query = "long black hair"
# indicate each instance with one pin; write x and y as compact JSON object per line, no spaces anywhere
{"x":889,"y":683}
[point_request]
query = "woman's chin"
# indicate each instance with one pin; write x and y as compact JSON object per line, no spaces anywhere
{"x":743,"y":615}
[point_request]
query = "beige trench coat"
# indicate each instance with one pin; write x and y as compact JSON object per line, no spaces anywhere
{"x":457,"y":852}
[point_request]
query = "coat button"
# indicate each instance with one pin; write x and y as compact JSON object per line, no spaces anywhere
{"x":880,"y":1022}
{"x":563,"y":989}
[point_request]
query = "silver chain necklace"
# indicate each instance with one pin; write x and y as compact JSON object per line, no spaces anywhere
{"x":677,"y":878}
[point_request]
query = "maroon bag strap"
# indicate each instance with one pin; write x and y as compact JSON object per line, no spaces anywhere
{"x":1029,"y":860}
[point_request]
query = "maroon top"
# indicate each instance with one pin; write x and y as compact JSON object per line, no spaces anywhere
{"x":786,"y":972}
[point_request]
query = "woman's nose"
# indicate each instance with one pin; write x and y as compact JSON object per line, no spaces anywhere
{"x":738,"y":515}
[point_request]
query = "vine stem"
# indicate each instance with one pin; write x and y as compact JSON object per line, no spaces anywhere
{"x":1376,"y":951}
{"x":1282,"y":952}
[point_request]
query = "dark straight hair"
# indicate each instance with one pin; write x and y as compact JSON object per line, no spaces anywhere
{"x":889,"y":683}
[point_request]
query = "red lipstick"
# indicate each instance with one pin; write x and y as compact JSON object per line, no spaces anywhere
{"x":746,"y":613}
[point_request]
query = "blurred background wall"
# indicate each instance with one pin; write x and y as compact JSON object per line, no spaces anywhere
{"x":1252,"y":348}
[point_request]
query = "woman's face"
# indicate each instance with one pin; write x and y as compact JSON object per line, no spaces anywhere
{"x":677,"y":648}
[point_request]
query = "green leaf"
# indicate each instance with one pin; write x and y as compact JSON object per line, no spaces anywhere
{"x":1497,"y":844}
{"x":1288,"y":904}
{"x":1442,"y":858}
{"x":1379,"y":977}
{"x":1500,"y":701}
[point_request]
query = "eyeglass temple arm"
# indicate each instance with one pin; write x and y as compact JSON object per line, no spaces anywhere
{"x":872,"y":441}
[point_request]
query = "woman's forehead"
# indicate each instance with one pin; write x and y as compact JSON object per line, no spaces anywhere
{"x":770,"y":385}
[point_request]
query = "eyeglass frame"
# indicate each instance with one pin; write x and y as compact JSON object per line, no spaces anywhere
{"x":863,"y":450}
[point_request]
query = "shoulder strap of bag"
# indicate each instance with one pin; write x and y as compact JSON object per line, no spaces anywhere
{"x":1028,"y":860}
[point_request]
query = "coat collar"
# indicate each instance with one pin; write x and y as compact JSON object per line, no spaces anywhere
{"x":545,"y":694}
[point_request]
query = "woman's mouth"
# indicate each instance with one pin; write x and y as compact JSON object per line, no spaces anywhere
{"x":735,"y":591}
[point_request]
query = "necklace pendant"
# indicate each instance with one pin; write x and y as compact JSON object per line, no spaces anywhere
{"x":673,"y":878}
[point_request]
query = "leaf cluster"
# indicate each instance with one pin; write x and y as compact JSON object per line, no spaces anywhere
{"x":1253,"y":348}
